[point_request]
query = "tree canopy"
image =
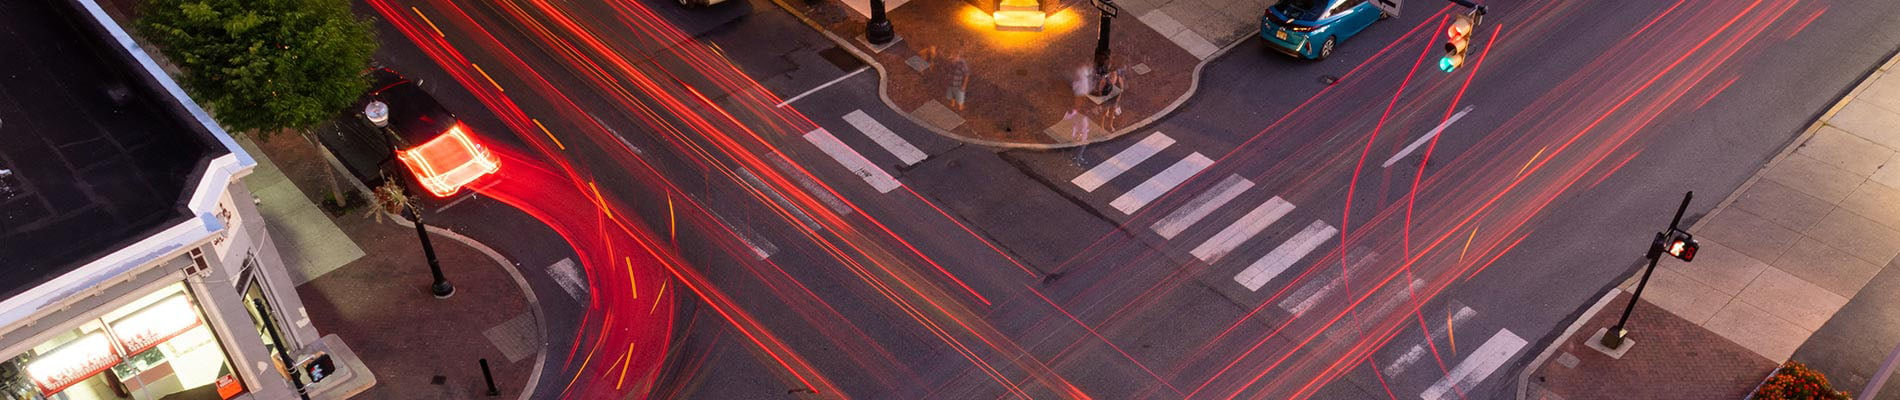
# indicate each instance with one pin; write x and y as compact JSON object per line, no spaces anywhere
{"x":265,"y":65}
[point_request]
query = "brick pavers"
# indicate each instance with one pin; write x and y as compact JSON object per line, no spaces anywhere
{"x":1020,"y":81}
{"x":1672,"y":358}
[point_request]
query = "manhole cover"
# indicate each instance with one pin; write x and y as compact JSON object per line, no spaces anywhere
{"x":438,"y":380}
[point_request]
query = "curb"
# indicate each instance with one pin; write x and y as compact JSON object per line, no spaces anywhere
{"x":1820,"y":120}
{"x":534,"y":302}
{"x":883,"y":87}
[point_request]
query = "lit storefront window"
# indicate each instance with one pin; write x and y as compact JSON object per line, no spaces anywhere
{"x":157,"y":347}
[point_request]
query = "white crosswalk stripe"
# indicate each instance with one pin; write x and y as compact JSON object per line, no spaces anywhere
{"x":853,"y":161}
{"x":1201,"y":205}
{"x":1417,"y":351}
{"x":1317,"y":289}
{"x":1161,"y":183}
{"x":884,"y":137}
{"x":1476,"y":366}
{"x":1289,"y":252}
{"x":1242,"y":229}
{"x":1095,"y":177}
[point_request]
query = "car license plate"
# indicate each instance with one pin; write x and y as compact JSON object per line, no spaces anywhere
{"x":1280,"y":34}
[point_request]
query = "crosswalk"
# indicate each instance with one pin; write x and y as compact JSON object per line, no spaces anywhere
{"x":856,"y":162}
{"x":1232,"y":215}
{"x":1233,"y":235}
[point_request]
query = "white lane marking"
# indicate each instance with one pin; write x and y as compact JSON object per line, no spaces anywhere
{"x":797,"y":213}
{"x":804,"y":181}
{"x":1308,"y":296}
{"x":821,"y":87}
{"x":1289,"y":252}
{"x":1202,"y":204}
{"x":1242,"y":229}
{"x":1121,"y":162}
{"x":1477,"y":366}
{"x":761,"y":248}
{"x":1428,"y":137}
{"x":853,"y":161}
{"x":569,"y":277}
{"x":884,"y":137}
{"x":1417,"y":351}
{"x":1161,"y":183}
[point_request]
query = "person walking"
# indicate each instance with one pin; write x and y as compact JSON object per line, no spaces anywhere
{"x":1114,"y":107}
{"x":959,"y":80}
{"x":1078,"y":120}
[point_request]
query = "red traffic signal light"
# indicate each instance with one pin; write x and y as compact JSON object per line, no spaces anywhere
{"x":1681,"y":245}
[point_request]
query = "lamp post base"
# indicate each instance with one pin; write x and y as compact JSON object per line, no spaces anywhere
{"x":1613,"y":338}
{"x":442,"y":289}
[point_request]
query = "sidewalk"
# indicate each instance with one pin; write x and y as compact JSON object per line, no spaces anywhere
{"x":1797,"y":265}
{"x":1019,"y":89}
{"x":419,"y":347}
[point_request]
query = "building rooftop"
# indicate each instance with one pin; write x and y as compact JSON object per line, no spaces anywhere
{"x":100,"y":153}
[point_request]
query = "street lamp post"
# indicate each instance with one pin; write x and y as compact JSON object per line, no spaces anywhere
{"x":441,"y":287}
{"x":395,"y":201}
{"x":879,"y":31}
{"x":1109,"y":11}
{"x":1613,"y":338}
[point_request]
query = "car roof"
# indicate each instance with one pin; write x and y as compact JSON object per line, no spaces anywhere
{"x":414,"y":115}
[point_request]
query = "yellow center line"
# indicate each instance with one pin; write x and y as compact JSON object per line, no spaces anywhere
{"x":544,"y":129}
{"x":491,"y":79}
{"x":1451,"y":333}
{"x":656,"y":298}
{"x":1527,"y":163}
{"x":1461,"y":253}
{"x":624,"y":367}
{"x":601,"y":201}
{"x":425,"y":18}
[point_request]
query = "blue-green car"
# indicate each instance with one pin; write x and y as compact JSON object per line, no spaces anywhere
{"x":1312,"y":28}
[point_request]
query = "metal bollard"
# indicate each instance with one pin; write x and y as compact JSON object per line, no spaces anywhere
{"x":490,"y":378}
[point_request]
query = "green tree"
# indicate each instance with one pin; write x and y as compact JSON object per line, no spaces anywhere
{"x":266,"y":66}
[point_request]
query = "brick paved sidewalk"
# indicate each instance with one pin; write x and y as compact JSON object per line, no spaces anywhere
{"x":1672,"y":359}
{"x":419,"y":347}
{"x":1019,"y":92}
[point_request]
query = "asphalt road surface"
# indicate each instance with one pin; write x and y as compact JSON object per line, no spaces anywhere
{"x":1278,"y":236}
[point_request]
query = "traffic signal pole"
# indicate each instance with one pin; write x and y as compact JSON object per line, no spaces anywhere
{"x":1613,"y":338}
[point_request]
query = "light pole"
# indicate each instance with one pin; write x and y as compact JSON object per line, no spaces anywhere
{"x":441,"y":287}
{"x":1109,"y":11}
{"x":393,"y":200}
{"x":879,"y":31}
{"x":1665,"y":240}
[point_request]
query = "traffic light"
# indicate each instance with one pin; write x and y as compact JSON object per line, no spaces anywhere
{"x":1457,"y":40}
{"x":1682,"y":245}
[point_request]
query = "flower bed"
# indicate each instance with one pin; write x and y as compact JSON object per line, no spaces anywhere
{"x":1796,"y":381}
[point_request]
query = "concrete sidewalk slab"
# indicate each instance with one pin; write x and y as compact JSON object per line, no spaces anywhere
{"x":1719,"y":267}
{"x":1813,"y":177}
{"x":311,"y":245}
{"x":1825,"y":266}
{"x":1764,"y":334}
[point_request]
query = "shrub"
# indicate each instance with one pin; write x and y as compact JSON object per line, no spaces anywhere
{"x":1797,"y":381}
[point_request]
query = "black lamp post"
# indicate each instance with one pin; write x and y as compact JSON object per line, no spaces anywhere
{"x":378,"y":114}
{"x":1109,"y":11}
{"x":441,"y":287}
{"x":879,"y":31}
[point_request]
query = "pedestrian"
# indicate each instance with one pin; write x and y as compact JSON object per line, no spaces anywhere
{"x":1079,"y":132}
{"x":959,"y":80}
{"x":1080,"y":84}
{"x":1114,"y":107}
